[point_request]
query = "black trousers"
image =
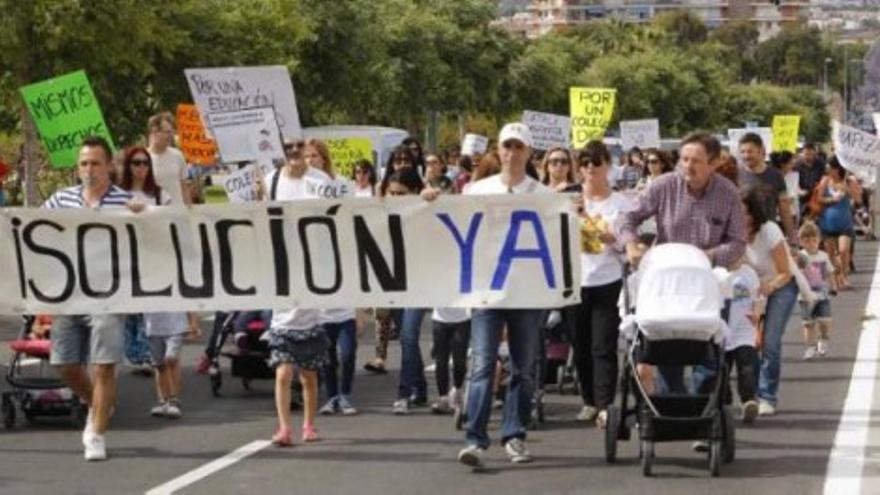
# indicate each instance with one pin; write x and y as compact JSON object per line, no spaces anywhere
{"x":746,"y":360}
{"x":595,"y":343}
{"x":451,"y":339}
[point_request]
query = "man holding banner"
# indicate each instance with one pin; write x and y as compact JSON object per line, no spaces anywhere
{"x":78,"y":340}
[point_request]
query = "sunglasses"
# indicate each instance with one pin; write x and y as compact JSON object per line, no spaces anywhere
{"x":140,"y":162}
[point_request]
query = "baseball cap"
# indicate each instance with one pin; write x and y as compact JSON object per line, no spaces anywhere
{"x":517,"y":131}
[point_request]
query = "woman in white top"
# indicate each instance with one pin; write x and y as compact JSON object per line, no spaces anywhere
{"x":596,"y":332}
{"x":767,"y":252}
{"x":364,"y":179}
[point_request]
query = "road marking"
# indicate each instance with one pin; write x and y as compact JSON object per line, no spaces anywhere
{"x":210,"y":468}
{"x":847,"y":459}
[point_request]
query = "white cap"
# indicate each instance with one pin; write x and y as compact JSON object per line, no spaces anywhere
{"x":518,"y":131}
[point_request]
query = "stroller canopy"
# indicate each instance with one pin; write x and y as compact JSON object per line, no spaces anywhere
{"x":679,"y":296}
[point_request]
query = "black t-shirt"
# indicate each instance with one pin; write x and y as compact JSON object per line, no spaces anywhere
{"x":770,"y":182}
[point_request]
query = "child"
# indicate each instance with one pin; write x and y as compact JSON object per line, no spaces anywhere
{"x":819,"y":271}
{"x":165,"y":332}
{"x":744,"y":310}
{"x":452,"y":333}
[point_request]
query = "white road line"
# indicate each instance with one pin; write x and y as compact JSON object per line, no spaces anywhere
{"x":210,"y":468}
{"x":847,"y":460}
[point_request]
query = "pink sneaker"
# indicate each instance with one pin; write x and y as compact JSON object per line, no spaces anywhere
{"x":283,"y":437}
{"x":310,"y":434}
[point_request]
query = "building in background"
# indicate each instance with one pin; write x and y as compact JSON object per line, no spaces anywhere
{"x":543,"y":16}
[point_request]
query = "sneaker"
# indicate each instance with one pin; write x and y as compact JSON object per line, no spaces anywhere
{"x":283,"y":437}
{"x":346,"y":407}
{"x":700,"y":446}
{"x":497,"y":404}
{"x":431,"y":368}
{"x":159,"y":410}
{"x":766,"y":409}
{"x":90,"y":426}
{"x":750,"y":411}
{"x":587,"y":413}
{"x":516,"y":451}
{"x":442,"y":406}
{"x":142,"y":369}
{"x":822,"y":347}
{"x":456,"y":399}
{"x":172,"y":409}
{"x":376,"y":366}
{"x":418,"y":401}
{"x":310,"y":434}
{"x":95,"y":447}
{"x":602,"y":419}
{"x":810,"y":353}
{"x":329,"y":408}
{"x":400,"y":407}
{"x":472,"y":456}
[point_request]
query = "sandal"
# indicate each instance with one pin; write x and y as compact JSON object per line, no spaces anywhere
{"x":283,"y":437}
{"x":310,"y":434}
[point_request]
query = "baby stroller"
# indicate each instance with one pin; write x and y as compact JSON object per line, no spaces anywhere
{"x":677,"y":322}
{"x":863,"y":217}
{"x":248,"y":356}
{"x":36,"y":393}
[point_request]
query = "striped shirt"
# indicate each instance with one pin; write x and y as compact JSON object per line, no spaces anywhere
{"x":711,"y":220}
{"x":72,"y":197}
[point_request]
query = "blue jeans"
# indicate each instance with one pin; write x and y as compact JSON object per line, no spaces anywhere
{"x":137,"y":347}
{"x":412,"y":368}
{"x":524,"y":340}
{"x":779,"y":307}
{"x":343,"y":347}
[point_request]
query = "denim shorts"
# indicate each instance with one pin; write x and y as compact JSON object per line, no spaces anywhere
{"x":83,"y":339}
{"x":820,"y":310}
{"x":164,"y":347}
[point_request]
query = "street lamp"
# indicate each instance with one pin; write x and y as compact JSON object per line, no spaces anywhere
{"x":825,"y":79}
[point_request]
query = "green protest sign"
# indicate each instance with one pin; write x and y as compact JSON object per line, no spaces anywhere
{"x":65,"y":111}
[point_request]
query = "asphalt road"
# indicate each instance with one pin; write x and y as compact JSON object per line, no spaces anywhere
{"x":376,"y":452}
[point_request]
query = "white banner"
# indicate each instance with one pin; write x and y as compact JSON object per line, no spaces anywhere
{"x":508,"y":251}
{"x":228,"y":89}
{"x":857,"y":151}
{"x":548,"y":130}
{"x":734,"y":135}
{"x":474,"y":143}
{"x":247,"y":135}
{"x":643,"y":134}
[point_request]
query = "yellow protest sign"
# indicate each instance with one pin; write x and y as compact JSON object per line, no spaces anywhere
{"x":345,"y":152}
{"x":591,"y":112}
{"x":196,"y":146}
{"x":785,"y":132}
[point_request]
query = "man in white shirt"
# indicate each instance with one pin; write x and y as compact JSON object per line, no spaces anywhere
{"x":169,"y":165}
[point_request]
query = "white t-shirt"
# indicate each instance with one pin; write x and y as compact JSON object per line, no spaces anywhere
{"x":291,"y":189}
{"x":759,"y":253}
{"x":817,"y":272}
{"x":793,"y":190}
{"x":165,"y":324}
{"x":366,"y":192}
{"x":451,"y":315}
{"x":600,"y":263}
{"x":169,"y":169}
{"x":337,"y":315}
{"x":741,"y":330}
{"x":146,"y":199}
{"x":493,"y":185}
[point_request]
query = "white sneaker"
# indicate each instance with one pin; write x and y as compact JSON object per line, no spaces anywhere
{"x":587,"y":413}
{"x":431,"y":368}
{"x":766,"y":409}
{"x":328,"y":409}
{"x":810,"y":353}
{"x":159,"y":410}
{"x":95,"y":448}
{"x":472,"y":456}
{"x":400,"y":407}
{"x":90,"y":426}
{"x":822,"y":347}
{"x":172,"y":410}
{"x":750,"y":411}
{"x":517,"y":451}
{"x":602,"y":419}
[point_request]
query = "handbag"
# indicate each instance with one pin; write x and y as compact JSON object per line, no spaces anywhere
{"x":815,"y":206}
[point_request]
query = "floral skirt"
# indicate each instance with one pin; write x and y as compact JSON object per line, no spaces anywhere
{"x":307,"y":349}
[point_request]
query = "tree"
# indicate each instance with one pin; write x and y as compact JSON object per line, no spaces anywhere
{"x":683,"y":27}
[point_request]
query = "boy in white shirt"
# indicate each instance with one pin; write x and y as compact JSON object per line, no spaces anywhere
{"x":744,"y":310}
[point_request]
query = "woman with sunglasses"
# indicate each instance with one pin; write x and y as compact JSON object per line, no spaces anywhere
{"x":657,"y":163}
{"x":139,"y":180}
{"x":596,"y":332}
{"x":556,"y":169}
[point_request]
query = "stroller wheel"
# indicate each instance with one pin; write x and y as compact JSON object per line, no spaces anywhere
{"x":611,"y":433}
{"x":715,"y":458}
{"x":8,"y":410}
{"x":647,"y":457}
{"x":216,"y":383}
{"x":728,"y":442}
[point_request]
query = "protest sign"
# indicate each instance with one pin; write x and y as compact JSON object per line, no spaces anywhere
{"x":473,"y":144}
{"x":346,"y":152}
{"x":505,"y":251}
{"x":785,"y":132}
{"x":591,"y":112}
{"x":548,"y":130}
{"x":241,"y":185}
{"x":247,"y":135}
{"x":734,"y":135}
{"x":229,"y":89}
{"x":639,"y":133}
{"x":65,"y":112}
{"x":857,"y":151}
{"x":196,"y":146}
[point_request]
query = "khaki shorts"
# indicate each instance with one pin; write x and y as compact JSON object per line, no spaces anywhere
{"x":84,"y":339}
